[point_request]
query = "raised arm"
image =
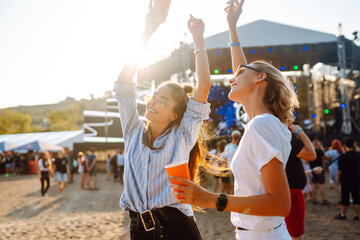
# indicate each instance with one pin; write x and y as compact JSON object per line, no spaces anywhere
{"x":197,"y":27}
{"x":153,"y":20}
{"x":234,"y":10}
{"x":308,"y":152}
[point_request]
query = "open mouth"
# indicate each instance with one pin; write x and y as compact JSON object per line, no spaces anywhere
{"x":151,"y":110}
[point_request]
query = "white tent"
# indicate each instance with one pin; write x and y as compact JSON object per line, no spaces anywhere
{"x":63,"y":139}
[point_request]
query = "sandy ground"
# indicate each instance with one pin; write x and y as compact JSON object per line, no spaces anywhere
{"x":84,"y":214}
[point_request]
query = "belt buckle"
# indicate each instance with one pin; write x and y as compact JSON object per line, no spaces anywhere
{"x":151,"y":218}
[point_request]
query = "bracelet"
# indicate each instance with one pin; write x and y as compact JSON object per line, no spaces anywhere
{"x":297,"y":131}
{"x":312,"y":171}
{"x":234,"y":44}
{"x":199,"y":50}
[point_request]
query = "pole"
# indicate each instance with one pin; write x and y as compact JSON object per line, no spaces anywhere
{"x":346,"y":124}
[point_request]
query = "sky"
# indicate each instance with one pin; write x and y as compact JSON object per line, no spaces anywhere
{"x":51,"y":49}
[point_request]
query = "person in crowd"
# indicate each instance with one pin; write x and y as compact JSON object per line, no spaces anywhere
{"x":357,"y":146}
{"x":262,"y":198}
{"x":17,"y":163}
{"x":75,"y":166}
{"x":170,"y":135}
{"x":349,"y":177}
{"x":120,"y":165}
{"x":224,"y":163}
{"x":318,"y":180}
{"x":91,"y":158}
{"x":70,"y":164}
{"x":2,"y":164}
{"x":230,"y":150}
{"x":114,"y":167}
{"x":332,"y":156}
{"x":44,"y":176}
{"x":307,"y":191}
{"x":61,"y":168}
{"x":108,"y":167}
{"x":219,"y":161}
{"x":83,"y":169}
{"x":301,"y":147}
{"x":7,"y":159}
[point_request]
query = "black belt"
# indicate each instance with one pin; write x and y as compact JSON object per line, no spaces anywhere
{"x":244,"y":229}
{"x":153,"y":220}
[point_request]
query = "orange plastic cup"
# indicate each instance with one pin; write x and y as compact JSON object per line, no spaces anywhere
{"x":178,"y":169}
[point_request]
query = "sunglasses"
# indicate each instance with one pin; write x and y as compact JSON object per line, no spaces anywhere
{"x":159,"y":103}
{"x":248,"y":67}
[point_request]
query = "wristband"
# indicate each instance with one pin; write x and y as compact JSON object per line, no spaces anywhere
{"x":234,"y":44}
{"x":221,"y":202}
{"x":199,"y":50}
{"x":297,"y":131}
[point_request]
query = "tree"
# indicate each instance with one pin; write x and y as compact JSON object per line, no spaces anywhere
{"x":65,"y":119}
{"x":12,"y":122}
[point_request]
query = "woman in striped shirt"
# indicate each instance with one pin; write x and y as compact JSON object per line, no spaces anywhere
{"x":170,"y":135}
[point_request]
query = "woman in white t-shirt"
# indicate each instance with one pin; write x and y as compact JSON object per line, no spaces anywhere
{"x":43,"y":164}
{"x":262,"y":196}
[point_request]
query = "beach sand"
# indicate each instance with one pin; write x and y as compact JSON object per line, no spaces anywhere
{"x":84,"y":214}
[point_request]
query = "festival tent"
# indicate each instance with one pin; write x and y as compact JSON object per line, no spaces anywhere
{"x":6,"y":146}
{"x":40,"y":146}
{"x":61,"y":138}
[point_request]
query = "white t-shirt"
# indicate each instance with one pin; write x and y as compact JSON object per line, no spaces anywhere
{"x":265,"y":137}
{"x":41,"y":166}
{"x":230,"y":151}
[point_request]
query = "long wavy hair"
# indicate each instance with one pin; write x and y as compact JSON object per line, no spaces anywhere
{"x":199,"y":152}
{"x":280,"y":95}
{"x":336,"y":144}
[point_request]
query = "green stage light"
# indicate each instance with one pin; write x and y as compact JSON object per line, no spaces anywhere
{"x":296,"y":67}
{"x":326,"y":111}
{"x":216,"y":71}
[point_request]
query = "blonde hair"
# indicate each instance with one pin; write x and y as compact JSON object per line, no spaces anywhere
{"x":280,"y":95}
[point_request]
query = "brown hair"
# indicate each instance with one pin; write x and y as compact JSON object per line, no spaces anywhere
{"x":280,"y":96}
{"x":45,"y":158}
{"x":199,"y":152}
{"x":336,"y":144}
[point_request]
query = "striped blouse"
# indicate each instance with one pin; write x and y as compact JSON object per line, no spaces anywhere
{"x":146,"y":184}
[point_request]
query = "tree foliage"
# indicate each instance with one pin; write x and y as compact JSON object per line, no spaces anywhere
{"x":66,"y":119}
{"x":14,"y":122}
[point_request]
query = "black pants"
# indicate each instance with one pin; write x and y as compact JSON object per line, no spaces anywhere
{"x":121,"y":173}
{"x":175,"y":224}
{"x":44,"y":177}
{"x":115,"y":172}
{"x":347,"y":186}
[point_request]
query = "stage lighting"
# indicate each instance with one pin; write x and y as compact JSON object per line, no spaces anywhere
{"x":313,"y":116}
{"x":282,"y":68}
{"x":296,"y":67}
{"x":217,"y":52}
{"x":229,"y":71}
{"x":306,"y":48}
{"x":270,"y":50}
{"x":342,"y":105}
{"x":326,"y":111}
{"x":252,"y":51}
{"x":216,"y":71}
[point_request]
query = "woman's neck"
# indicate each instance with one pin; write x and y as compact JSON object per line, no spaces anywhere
{"x":255,"y":106}
{"x":156,"y":130}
